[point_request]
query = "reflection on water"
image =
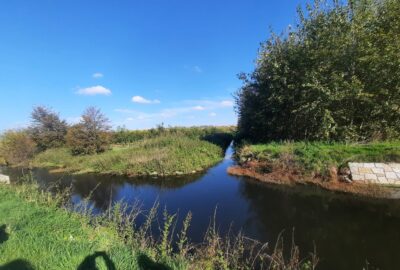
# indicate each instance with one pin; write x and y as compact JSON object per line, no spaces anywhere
{"x":347,"y":231}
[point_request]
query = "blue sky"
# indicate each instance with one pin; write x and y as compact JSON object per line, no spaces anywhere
{"x":141,"y":62}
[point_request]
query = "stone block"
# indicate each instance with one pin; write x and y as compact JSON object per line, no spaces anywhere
{"x":370,"y":176}
{"x":364,"y":170}
{"x":396,"y":170}
{"x":378,"y":170}
{"x":395,"y":165}
{"x":4,"y":179}
{"x":358,"y":177}
{"x":391,"y":175}
{"x":383,"y":181}
{"x":379,"y":165}
{"x":369,"y":165}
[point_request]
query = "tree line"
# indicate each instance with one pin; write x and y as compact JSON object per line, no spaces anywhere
{"x":334,"y":76}
{"x":47,"y":130}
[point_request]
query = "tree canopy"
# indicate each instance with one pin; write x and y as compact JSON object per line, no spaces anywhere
{"x":47,"y":129}
{"x":334,"y":76}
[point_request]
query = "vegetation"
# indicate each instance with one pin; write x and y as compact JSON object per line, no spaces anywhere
{"x":47,"y":129}
{"x":162,"y":155}
{"x":90,"y":135}
{"x":221,"y":136}
{"x":37,"y":231}
{"x":316,"y":159}
{"x":335,"y":76}
{"x":16,"y":147}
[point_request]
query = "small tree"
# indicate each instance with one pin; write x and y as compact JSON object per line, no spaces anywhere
{"x":47,"y":129}
{"x":16,"y":147}
{"x":91,"y":135}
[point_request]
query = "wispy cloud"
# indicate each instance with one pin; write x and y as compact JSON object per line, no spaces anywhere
{"x":212,"y":114}
{"x":94,"y":90}
{"x":97,"y":75}
{"x":142,"y":100}
{"x":195,"y":69}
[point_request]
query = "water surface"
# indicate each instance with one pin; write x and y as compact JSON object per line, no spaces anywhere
{"x":347,"y":231}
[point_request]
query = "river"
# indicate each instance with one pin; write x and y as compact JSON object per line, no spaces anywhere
{"x":347,"y":231}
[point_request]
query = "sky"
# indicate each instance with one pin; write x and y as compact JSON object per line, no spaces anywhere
{"x":142,"y":63}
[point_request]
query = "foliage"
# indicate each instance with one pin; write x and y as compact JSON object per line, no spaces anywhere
{"x":335,"y":76}
{"x":217,"y":135}
{"x":47,"y":129}
{"x":90,"y":136}
{"x":162,"y":155}
{"x":319,"y":157}
{"x":16,"y":147}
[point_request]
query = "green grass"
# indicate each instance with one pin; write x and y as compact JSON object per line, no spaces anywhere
{"x":162,"y":155}
{"x":320,"y":156}
{"x":47,"y":237}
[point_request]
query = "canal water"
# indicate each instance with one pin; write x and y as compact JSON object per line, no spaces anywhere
{"x":348,"y":232}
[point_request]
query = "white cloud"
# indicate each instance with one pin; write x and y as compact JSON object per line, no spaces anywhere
{"x":198,"y":108}
{"x":94,"y":90}
{"x":97,"y":75}
{"x":213,"y":114}
{"x":226,"y":103}
{"x":195,"y":69}
{"x":142,"y":100}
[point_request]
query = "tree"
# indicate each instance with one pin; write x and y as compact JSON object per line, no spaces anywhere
{"x":91,"y":135}
{"x":335,"y":76}
{"x":16,"y":147}
{"x":47,"y":129}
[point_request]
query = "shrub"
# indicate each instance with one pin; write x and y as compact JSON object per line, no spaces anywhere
{"x":91,"y":135}
{"x":16,"y":147}
{"x":47,"y":129}
{"x":333,"y":77}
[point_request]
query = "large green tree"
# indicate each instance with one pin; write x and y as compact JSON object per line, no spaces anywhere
{"x":334,"y":76}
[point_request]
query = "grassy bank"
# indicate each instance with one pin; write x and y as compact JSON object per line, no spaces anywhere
{"x":309,"y":161}
{"x":35,"y":234}
{"x":161,"y":155}
{"x":38,"y":232}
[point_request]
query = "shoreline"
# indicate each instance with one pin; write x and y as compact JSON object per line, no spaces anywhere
{"x":290,"y":179}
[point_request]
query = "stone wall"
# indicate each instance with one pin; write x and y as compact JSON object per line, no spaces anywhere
{"x":379,"y":173}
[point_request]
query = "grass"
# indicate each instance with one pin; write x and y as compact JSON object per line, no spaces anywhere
{"x":46,"y":237}
{"x":37,"y":231}
{"x":319,"y":157}
{"x":161,"y":155}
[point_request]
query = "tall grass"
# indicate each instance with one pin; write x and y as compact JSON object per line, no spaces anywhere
{"x":117,"y":233}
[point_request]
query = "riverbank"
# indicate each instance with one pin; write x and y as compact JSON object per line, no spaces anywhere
{"x":159,"y":156}
{"x":317,"y":163}
{"x":37,"y":231}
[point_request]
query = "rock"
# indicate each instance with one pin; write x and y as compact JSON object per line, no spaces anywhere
{"x":346,"y":179}
{"x":4,"y":179}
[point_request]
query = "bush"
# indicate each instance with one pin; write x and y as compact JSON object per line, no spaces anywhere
{"x":91,"y":135}
{"x":336,"y":76}
{"x":16,"y":147}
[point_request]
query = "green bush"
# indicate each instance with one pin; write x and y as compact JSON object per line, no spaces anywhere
{"x":335,"y":76}
{"x":16,"y":147}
